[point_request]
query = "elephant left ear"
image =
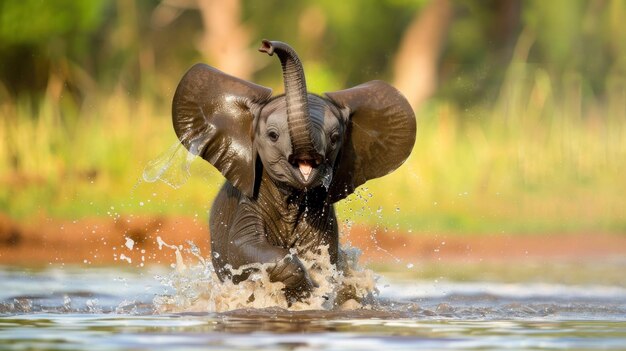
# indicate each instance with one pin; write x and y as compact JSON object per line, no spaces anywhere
{"x":380,"y":135}
{"x":213,"y":115}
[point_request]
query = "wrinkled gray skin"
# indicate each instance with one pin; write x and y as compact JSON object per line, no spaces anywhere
{"x":287,"y":160}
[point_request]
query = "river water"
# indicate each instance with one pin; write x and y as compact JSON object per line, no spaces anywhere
{"x":113,"y":308}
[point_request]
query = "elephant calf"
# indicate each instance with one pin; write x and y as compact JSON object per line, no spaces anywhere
{"x":287,"y":159}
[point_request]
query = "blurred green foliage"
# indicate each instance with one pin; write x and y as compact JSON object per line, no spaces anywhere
{"x":35,"y":22}
{"x":526,"y":132}
{"x":350,"y":42}
{"x":359,"y":37}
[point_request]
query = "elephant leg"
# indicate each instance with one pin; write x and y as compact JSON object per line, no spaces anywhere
{"x":220,"y":220}
{"x":248,"y":244}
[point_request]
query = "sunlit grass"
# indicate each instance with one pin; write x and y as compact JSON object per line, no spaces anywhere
{"x":545,"y":157}
{"x":533,"y":162}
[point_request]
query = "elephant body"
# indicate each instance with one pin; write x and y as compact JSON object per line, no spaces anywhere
{"x":287,"y":159}
{"x":266,"y":229}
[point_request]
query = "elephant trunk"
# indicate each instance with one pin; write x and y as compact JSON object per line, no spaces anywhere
{"x":296,"y":97}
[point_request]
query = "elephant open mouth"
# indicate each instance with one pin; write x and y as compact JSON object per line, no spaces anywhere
{"x":305,"y":168}
{"x":305,"y":172}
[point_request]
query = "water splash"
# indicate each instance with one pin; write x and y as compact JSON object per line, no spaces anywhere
{"x":171,"y":167}
{"x":326,"y":180}
{"x":130,"y":243}
{"x":196,"y":287}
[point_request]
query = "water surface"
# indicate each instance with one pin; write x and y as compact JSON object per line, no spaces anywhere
{"x":109,"y":308}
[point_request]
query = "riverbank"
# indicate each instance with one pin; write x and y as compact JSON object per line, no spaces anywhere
{"x":133,"y":240}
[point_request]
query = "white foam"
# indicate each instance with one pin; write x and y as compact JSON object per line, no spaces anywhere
{"x":196,"y":287}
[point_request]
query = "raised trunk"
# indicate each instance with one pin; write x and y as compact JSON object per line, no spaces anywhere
{"x":297,"y":102}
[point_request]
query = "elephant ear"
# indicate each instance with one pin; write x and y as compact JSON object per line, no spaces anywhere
{"x":380,"y":135}
{"x":213,"y":115}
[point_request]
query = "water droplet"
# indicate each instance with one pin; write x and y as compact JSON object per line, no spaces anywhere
{"x":130,"y":243}
{"x":67,"y":302}
{"x":92,"y":306}
{"x":326,"y":179}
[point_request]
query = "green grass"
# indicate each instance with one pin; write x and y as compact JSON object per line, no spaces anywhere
{"x":562,"y":272}
{"x":545,"y":157}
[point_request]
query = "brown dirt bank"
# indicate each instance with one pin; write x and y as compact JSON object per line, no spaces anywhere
{"x":104,"y":241}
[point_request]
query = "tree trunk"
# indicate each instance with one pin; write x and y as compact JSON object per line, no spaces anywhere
{"x":225,"y":40}
{"x":415,"y":65}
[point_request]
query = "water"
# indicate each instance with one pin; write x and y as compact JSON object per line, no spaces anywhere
{"x":171,"y":167}
{"x":108,"y":308}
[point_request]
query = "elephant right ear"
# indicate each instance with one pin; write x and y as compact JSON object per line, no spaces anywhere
{"x":213,"y":115}
{"x":380,"y":135}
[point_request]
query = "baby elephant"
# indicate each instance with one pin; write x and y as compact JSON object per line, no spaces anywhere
{"x":287,"y":159}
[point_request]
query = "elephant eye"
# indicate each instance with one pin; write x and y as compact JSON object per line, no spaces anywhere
{"x":334,"y":138}
{"x":272,"y":135}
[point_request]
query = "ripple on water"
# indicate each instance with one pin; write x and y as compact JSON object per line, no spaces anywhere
{"x":281,"y":330}
{"x":108,"y":309}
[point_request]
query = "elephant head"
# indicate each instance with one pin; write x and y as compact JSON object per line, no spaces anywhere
{"x":338,"y":140}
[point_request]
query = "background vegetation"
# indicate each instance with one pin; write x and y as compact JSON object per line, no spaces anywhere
{"x":521,"y":105}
